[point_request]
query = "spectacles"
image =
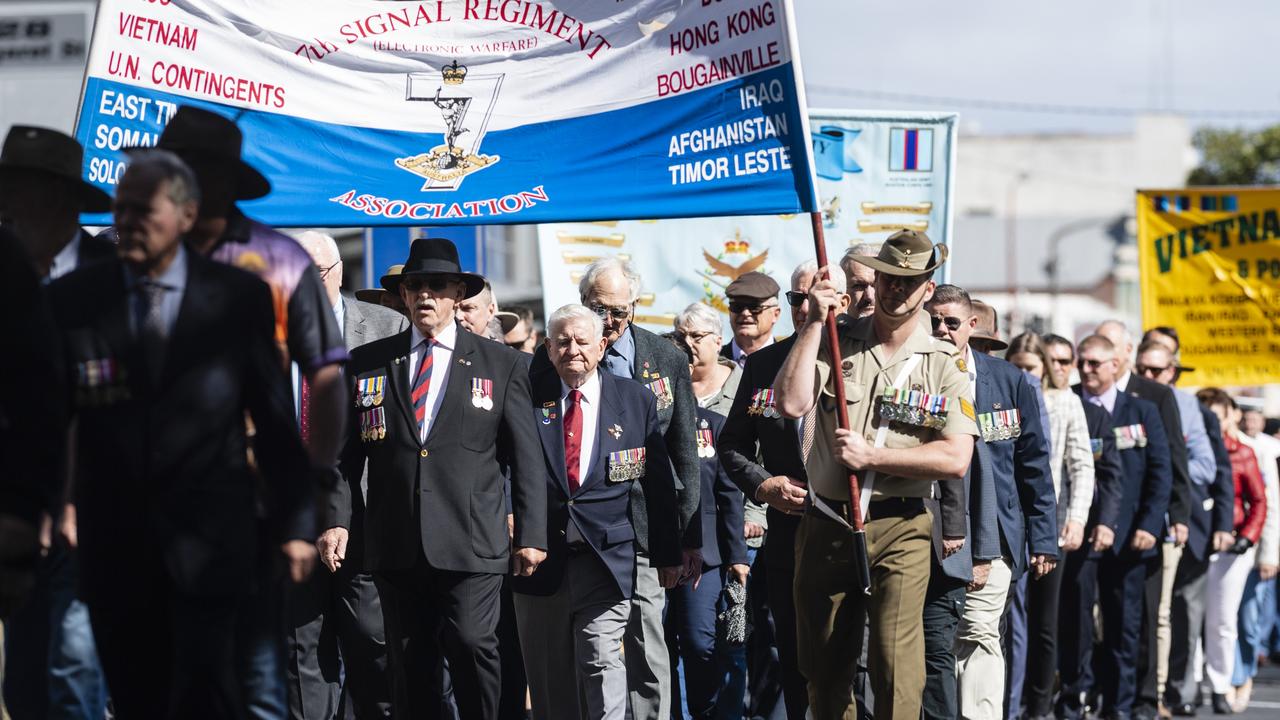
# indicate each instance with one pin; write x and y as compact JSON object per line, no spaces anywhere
{"x":604,"y":311}
{"x":1061,"y":361}
{"x":754,"y":309}
{"x":795,"y":298}
{"x":1090,"y":364}
{"x":695,"y":337}
{"x":952,"y":323}
{"x":1150,"y":370}
{"x":324,"y":271}
{"x":434,"y":283}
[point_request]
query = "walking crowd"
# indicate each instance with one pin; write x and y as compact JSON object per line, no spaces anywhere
{"x":231,"y":490}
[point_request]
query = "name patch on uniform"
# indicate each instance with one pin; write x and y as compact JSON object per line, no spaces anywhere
{"x":914,"y":407}
{"x":763,"y":404}
{"x":373,"y":424}
{"x":661,"y":389}
{"x":1000,"y":425}
{"x":626,"y":465}
{"x":706,"y":443}
{"x":1131,"y":436}
{"x":370,"y":389}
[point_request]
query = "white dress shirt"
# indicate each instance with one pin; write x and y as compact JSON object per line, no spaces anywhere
{"x":441,"y":362}
{"x":589,"y":406}
{"x":67,"y":258}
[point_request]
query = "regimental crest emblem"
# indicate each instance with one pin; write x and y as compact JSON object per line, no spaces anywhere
{"x":735,"y":260}
{"x":465,"y":102}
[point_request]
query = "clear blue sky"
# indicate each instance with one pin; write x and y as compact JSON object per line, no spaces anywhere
{"x":1187,"y":55}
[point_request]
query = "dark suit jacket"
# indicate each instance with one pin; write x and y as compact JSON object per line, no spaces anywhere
{"x":600,"y":509}
{"x":447,"y":492}
{"x":977,"y":521}
{"x":1028,"y":510}
{"x":1223,"y":490}
{"x":753,"y":448}
{"x":1180,"y":488}
{"x":162,"y":469}
{"x":722,"y":524}
{"x":1108,"y":471}
{"x":1145,"y":497}
{"x":657,"y":358}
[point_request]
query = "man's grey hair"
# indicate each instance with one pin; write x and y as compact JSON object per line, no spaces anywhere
{"x":607,"y":265}
{"x":1124,"y":329}
{"x":805,"y":268}
{"x":183,"y":187}
{"x":699,"y":316}
{"x":314,"y":236}
{"x":485,"y":296}
{"x":574,"y":313}
{"x":860,"y":250}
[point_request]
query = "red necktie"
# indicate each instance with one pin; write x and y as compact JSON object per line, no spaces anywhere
{"x":572,"y":439}
{"x":422,"y":384}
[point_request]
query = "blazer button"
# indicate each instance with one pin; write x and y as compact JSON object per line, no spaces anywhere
{"x":424,"y":453}
{"x":570,"y":502}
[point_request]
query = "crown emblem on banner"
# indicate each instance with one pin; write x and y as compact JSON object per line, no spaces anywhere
{"x":453,"y":74}
{"x":736,"y":245}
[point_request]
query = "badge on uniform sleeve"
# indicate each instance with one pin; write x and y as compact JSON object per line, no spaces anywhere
{"x":706,"y":443}
{"x":966,"y":408}
{"x":763,"y":403}
{"x":369,"y":390}
{"x":1000,"y":424}
{"x":1131,"y":436}
{"x":373,"y":424}
{"x":960,"y":363}
{"x":661,"y":389}
{"x":626,"y":465}
{"x":482,"y":393}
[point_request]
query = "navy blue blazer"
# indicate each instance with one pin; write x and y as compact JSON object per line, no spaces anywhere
{"x":1023,"y":486}
{"x":601,"y":509}
{"x":1146,"y":473}
{"x":981,"y":521}
{"x":722,"y":540}
{"x":1108,"y":471}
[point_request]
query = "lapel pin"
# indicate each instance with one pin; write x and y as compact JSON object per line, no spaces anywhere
{"x":616,"y":431}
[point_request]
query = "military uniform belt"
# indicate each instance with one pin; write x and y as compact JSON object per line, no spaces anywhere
{"x":885,"y":507}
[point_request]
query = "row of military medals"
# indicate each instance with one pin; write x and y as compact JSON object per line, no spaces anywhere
{"x":1000,"y":424}
{"x":706,"y":443}
{"x":626,"y":465}
{"x":914,"y":407}
{"x":482,"y":393}
{"x":763,"y":404}
{"x":369,"y":394}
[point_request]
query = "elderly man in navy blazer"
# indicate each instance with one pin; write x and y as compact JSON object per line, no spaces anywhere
{"x":1009,"y":419}
{"x":1140,"y":438}
{"x":600,"y":437}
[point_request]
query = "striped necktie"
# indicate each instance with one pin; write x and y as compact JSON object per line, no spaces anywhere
{"x":422,"y":384}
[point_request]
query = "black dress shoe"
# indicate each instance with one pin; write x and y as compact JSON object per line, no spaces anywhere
{"x":1183,"y":710}
{"x":1220,"y":705}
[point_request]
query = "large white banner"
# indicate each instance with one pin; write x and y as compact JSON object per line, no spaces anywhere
{"x":878,"y":172}
{"x":363,"y":112}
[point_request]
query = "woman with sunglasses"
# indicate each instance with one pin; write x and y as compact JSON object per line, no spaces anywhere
{"x":1071,"y":465}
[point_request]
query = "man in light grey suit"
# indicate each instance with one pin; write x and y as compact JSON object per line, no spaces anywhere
{"x":340,"y":609}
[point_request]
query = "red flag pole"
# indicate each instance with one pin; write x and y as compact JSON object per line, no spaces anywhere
{"x":833,"y":342}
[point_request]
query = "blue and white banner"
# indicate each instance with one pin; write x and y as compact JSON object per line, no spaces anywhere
{"x":878,"y":172}
{"x":362,"y":112}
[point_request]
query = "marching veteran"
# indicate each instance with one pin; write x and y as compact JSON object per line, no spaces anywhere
{"x":438,"y":412}
{"x":600,"y":437}
{"x":912,"y":423}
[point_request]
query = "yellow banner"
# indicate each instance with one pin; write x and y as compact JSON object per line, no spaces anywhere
{"x":1210,"y":263}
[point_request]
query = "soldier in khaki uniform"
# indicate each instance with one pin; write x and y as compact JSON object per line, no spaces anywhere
{"x":927,"y":436}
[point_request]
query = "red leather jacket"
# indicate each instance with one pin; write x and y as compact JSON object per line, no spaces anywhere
{"x":1250,"y":490}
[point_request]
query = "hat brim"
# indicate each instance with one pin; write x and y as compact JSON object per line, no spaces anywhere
{"x":940,"y":253}
{"x":988,"y":342}
{"x":370,"y":295}
{"x":509,"y":321}
{"x":250,"y":184}
{"x":474,"y":283}
{"x":93,"y":199}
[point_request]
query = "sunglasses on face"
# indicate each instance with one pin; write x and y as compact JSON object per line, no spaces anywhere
{"x":952,"y":323}
{"x":434,"y":283}
{"x":795,"y":298}
{"x":1065,"y":362}
{"x":1087,"y":364}
{"x":1151,"y":370}
{"x":604,"y":311}
{"x":754,"y":309}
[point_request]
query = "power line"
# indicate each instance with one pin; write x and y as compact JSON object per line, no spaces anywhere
{"x":944,"y":101}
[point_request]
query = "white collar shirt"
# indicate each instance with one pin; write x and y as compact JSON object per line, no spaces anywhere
{"x":589,"y":406}
{"x":441,"y":364}
{"x":1122,"y":382}
{"x":67,"y":258}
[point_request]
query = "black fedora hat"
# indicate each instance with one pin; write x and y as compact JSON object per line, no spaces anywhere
{"x":193,"y":133}
{"x":434,"y":256}
{"x":36,"y":149}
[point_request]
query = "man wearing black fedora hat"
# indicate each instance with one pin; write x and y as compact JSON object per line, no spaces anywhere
{"x":911,"y":424}
{"x":437,"y":412}
{"x":306,"y":331}
{"x":41,"y":198}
